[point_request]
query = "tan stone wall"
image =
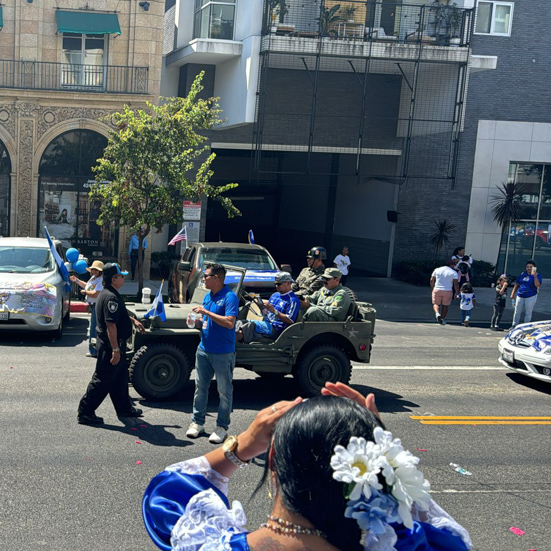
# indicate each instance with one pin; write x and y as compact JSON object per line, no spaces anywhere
{"x":30,"y":119}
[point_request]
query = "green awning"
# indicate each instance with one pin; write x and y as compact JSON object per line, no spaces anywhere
{"x":1,"y":18}
{"x":87,"y":23}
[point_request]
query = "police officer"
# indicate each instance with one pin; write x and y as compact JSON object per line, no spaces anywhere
{"x":330,"y":303}
{"x":309,"y":280}
{"x":114,"y":327}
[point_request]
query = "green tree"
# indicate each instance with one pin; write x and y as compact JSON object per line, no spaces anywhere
{"x":441,"y":236}
{"x":155,"y":160}
{"x":507,"y":208}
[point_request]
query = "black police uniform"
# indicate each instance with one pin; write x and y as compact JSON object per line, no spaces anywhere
{"x":108,"y":378}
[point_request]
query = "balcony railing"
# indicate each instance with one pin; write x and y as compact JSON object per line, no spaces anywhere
{"x":368,"y":20}
{"x":39,"y":75}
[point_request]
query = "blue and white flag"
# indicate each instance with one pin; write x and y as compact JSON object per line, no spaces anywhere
{"x":251,"y":237}
{"x":62,"y":268}
{"x":158,"y":306}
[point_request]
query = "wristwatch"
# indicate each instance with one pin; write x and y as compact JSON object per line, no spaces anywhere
{"x":229,"y":447}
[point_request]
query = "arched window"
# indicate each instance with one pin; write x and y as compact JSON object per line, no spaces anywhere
{"x":64,"y":204}
{"x":5,"y":185}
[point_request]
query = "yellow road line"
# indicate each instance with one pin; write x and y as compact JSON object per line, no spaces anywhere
{"x":478,"y":417}
{"x":483,"y":422}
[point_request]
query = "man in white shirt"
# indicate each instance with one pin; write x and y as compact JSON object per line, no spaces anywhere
{"x":342,"y":261}
{"x":443,"y":281}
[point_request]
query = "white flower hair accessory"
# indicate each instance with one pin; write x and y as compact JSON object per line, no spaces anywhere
{"x":363,"y":467}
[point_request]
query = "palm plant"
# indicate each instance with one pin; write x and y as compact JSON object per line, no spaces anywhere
{"x":441,"y":235}
{"x":507,"y":208}
{"x":329,"y":17}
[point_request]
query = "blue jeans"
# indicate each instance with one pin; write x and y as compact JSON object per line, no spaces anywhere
{"x":206,"y":366}
{"x":465,"y":315}
{"x":524,"y":304}
{"x":92,"y":330}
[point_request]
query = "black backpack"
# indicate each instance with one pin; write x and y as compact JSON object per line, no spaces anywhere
{"x":464,"y":268}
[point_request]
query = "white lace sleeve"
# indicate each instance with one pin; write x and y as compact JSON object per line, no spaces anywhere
{"x":207,"y":524}
{"x":200,"y":465}
{"x":437,"y":517}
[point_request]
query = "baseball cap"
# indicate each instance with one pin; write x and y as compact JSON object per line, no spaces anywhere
{"x":282,"y":277}
{"x":331,"y":273}
{"x":110,"y":269}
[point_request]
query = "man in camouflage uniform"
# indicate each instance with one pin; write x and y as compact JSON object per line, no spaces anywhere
{"x":309,"y":280}
{"x":330,"y":303}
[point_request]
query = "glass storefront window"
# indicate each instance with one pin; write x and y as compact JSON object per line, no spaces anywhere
{"x":5,"y":185}
{"x":531,"y":237}
{"x":214,"y":19}
{"x":65,"y":207}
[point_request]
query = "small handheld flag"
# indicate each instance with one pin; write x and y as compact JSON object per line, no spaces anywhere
{"x":180,"y":236}
{"x":158,"y":307}
{"x":251,"y":237}
{"x":62,"y":268}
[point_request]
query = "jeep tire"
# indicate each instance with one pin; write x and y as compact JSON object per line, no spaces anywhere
{"x":159,"y":371}
{"x":320,"y":364}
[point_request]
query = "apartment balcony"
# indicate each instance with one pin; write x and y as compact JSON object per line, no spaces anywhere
{"x":68,"y":77}
{"x":368,"y":29}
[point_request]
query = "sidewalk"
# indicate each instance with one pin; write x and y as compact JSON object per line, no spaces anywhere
{"x":398,"y":301}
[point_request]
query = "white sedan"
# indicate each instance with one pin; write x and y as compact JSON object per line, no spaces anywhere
{"x":526,"y":349}
{"x":33,"y":295}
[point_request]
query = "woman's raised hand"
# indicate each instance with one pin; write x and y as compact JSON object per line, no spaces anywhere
{"x":255,"y":440}
{"x":340,"y":389}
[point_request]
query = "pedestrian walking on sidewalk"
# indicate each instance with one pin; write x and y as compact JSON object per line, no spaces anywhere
{"x":526,"y":290}
{"x":500,"y":302}
{"x":444,"y":286}
{"x":467,"y":301}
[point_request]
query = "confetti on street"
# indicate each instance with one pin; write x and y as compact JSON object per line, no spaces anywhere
{"x":458,"y":469}
{"x":422,"y":450}
{"x":138,"y":462}
{"x":138,"y":442}
{"x":517,"y":531}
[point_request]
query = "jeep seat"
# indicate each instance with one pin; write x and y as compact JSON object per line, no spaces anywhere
{"x":354,"y":312}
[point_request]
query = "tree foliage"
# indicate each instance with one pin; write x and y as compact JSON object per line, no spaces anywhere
{"x":155,"y":160}
{"x":441,"y":235}
{"x":507,"y":205}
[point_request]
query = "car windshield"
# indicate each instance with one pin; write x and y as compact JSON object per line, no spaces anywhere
{"x":25,"y":260}
{"x":250,"y":259}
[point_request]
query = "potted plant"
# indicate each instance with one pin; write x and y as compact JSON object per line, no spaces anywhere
{"x":328,"y":18}
{"x":347,"y":13}
{"x":278,"y":10}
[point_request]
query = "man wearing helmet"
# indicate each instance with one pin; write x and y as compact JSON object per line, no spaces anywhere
{"x":309,"y":280}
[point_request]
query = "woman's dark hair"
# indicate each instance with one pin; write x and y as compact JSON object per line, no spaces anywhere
{"x":457,"y":249}
{"x":304,"y":442}
{"x":533,"y":262}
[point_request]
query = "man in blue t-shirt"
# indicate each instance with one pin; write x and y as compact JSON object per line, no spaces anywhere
{"x":281,"y":310}
{"x":216,"y":353}
{"x":526,"y":291}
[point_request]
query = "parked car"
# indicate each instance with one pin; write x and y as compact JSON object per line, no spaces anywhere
{"x":33,"y":295}
{"x":161,"y":360}
{"x":526,"y":349}
{"x":185,"y":274}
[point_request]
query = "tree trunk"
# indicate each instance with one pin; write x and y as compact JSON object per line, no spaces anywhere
{"x":507,"y":248}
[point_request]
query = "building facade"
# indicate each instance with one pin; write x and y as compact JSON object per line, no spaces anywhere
{"x":64,"y":68}
{"x":344,"y":120}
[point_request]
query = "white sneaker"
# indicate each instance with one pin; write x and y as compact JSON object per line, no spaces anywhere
{"x":439,"y":319}
{"x":218,"y":436}
{"x":195,"y":430}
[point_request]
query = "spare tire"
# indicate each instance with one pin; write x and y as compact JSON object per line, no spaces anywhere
{"x":159,"y":371}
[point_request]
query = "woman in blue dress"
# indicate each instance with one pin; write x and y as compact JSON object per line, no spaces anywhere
{"x":340,"y":482}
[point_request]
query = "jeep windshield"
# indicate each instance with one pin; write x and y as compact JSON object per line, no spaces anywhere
{"x":26,"y":260}
{"x":243,"y":258}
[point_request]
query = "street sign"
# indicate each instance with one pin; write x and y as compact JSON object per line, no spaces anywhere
{"x":192,"y":211}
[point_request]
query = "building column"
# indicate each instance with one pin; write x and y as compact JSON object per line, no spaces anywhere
{"x":26,"y":124}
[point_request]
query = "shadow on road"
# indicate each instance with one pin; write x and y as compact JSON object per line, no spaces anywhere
{"x":256,"y":394}
{"x":528,"y":382}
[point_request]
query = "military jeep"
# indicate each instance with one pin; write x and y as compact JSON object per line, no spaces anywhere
{"x":313,"y":352}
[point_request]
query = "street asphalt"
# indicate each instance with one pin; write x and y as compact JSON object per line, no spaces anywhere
{"x":66,"y":486}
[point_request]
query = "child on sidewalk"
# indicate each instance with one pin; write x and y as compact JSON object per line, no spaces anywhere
{"x":463,"y":268}
{"x":500,"y":302}
{"x":467,"y":302}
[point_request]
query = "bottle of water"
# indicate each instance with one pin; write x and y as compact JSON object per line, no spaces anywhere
{"x":191,"y":320}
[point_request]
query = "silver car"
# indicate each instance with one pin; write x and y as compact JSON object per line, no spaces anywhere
{"x":33,"y":295}
{"x":526,"y":349}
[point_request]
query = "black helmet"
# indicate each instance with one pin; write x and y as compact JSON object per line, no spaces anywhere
{"x":317,"y":252}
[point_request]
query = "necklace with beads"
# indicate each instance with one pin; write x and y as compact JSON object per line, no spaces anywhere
{"x":281,"y":526}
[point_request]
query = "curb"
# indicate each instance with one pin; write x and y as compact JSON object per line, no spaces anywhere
{"x":78,"y":307}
